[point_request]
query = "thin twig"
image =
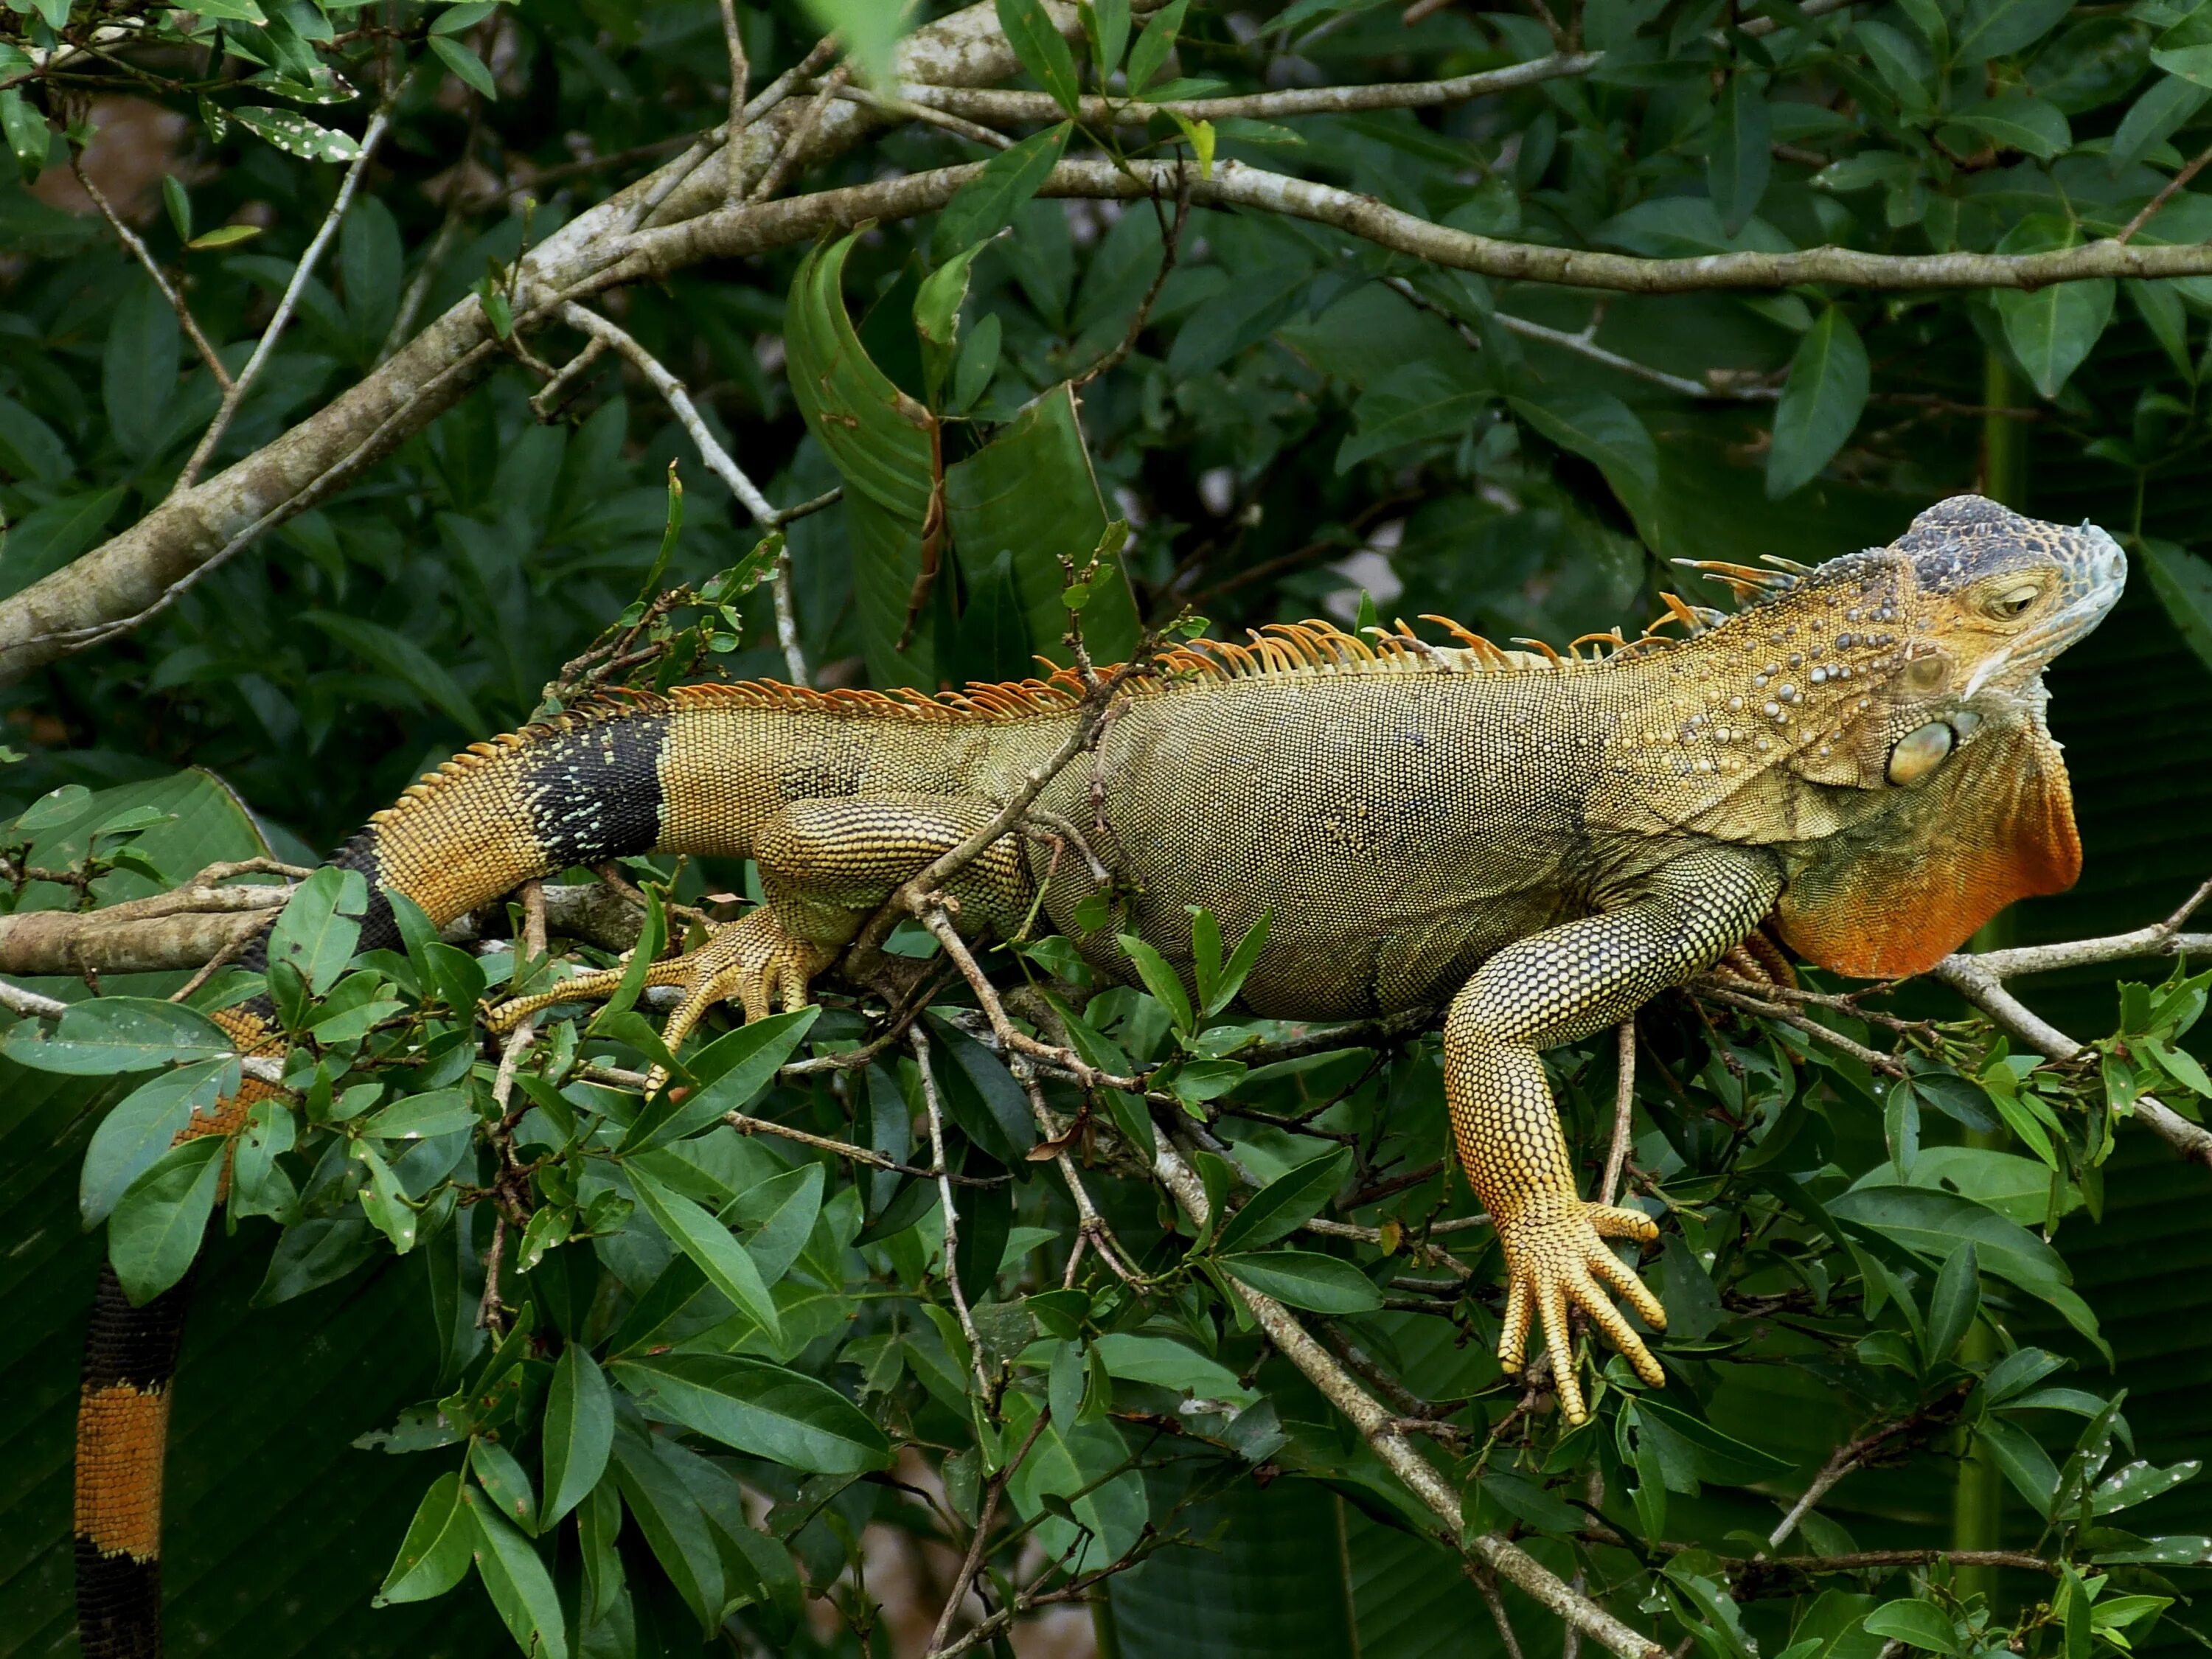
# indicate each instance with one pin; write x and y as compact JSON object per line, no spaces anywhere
{"x":794,"y":148}
{"x":130,"y":240}
{"x":234,"y":394}
{"x":1170,"y":244}
{"x":1623,"y":1109}
{"x":918,"y":1039}
{"x":972,"y":1562}
{"x":678,"y":399}
{"x":2172,"y":188}
{"x":734,"y":135}
{"x":907,"y":109}
{"x":787,"y":620}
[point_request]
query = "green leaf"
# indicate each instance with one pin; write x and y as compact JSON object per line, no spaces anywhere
{"x":223,"y":236}
{"x":1820,"y":404}
{"x":2052,"y":330}
{"x":1165,"y":1363}
{"x":1162,"y":980}
{"x":1997,"y":29}
{"x":579,"y":1426}
{"x":320,"y":926}
{"x":514,"y":1576}
{"x":419,"y":1117}
{"x":501,"y":1476}
{"x":2022,"y":1458}
{"x":783,"y":1210}
{"x":384,"y":1201}
{"x":1717,"y":1456}
{"x":2167,"y":106}
{"x":138,"y":373}
{"x":763,"y":1409}
{"x":1106,"y":26}
{"x":1307,"y":1278}
{"x":728,"y":1269}
{"x":291,"y":132}
{"x":1031,"y":491}
{"x":1602,"y":429}
{"x":28,"y":136}
{"x":1952,"y":1304}
{"x":986,"y":204}
{"x":393,"y":652}
{"x":937,"y":305}
{"x":143,"y":1126}
{"x":180,"y":206}
{"x":1043,"y":51}
{"x":237,"y":12}
{"x":435,"y":1555}
{"x":1740,"y":152}
{"x":156,"y":1230}
{"x":108,"y":1034}
{"x":2183,"y":582}
{"x":467,"y":15}
{"x":870,"y":32}
{"x":1150,"y":54}
{"x":1919,"y":1625}
{"x":732,"y":1072}
{"x":2020,"y":121}
{"x":463,"y":63}
{"x":670,"y":1519}
{"x":2139,"y":1482}
{"x":1287,"y":1203}
{"x":1242,"y":961}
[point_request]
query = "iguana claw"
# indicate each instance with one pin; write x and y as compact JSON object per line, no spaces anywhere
{"x":1556,"y":1258}
{"x":754,"y":961}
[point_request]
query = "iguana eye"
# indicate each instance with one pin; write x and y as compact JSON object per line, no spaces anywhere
{"x":2009,"y":604}
{"x":1918,"y":753}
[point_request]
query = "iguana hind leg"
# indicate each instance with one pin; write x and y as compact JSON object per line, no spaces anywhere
{"x":825,"y":867}
{"x":1550,"y":989}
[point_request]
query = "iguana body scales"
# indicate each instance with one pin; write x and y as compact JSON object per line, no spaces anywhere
{"x":1542,"y":843}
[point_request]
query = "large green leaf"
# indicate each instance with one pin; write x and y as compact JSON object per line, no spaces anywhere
{"x":1031,"y":491}
{"x":768,"y":1410}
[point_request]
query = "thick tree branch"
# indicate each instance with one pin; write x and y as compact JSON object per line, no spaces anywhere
{"x":130,"y":575}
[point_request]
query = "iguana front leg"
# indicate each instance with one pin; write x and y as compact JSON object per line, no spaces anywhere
{"x":825,"y":867}
{"x":1553,"y":988}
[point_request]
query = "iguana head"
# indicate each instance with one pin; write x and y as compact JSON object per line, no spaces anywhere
{"x":1895,"y":708}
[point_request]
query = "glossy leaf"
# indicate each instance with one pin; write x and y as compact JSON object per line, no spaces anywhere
{"x":767,"y":1410}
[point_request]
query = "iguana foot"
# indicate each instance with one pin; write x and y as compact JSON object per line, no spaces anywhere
{"x":754,"y":961}
{"x":1555,"y":1259}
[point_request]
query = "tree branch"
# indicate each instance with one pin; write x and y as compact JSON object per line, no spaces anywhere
{"x":131,"y":575}
{"x":1979,"y":978}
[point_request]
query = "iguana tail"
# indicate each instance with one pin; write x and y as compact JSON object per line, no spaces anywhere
{"x":586,"y":787}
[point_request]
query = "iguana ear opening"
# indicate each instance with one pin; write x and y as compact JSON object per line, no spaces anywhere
{"x":1897,"y":897}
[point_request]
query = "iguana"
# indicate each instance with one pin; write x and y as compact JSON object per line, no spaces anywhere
{"x":1858,"y":756}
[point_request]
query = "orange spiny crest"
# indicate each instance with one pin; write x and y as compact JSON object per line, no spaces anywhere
{"x":1550,"y":656}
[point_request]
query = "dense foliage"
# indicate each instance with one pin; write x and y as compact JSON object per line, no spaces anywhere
{"x":653,"y":1362}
